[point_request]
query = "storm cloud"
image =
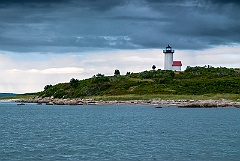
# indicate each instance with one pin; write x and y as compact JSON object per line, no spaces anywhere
{"x":70,"y":26}
{"x":51,"y":41}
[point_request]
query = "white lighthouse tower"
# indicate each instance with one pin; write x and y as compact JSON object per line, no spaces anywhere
{"x":168,"y":60}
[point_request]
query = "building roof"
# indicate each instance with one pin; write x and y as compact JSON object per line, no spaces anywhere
{"x":177,"y":63}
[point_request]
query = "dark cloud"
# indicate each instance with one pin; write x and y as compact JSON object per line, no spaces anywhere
{"x":119,"y":24}
{"x":194,"y":1}
{"x":91,"y":4}
{"x":30,"y":1}
{"x":101,"y":5}
{"x":226,"y":1}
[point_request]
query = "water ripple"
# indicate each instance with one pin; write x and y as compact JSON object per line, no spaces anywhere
{"x":118,"y":133}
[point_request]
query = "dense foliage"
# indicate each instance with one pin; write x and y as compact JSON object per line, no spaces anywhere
{"x":194,"y":80}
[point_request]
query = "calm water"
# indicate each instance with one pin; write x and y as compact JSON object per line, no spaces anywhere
{"x":34,"y":132}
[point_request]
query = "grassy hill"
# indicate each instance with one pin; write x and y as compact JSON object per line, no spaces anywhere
{"x":193,"y":81}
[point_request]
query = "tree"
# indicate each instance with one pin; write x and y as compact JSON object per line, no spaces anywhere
{"x":74,"y":83}
{"x":116,"y":72}
{"x":154,"y":67}
{"x":101,"y":78}
{"x":47,"y":87}
{"x":100,"y":75}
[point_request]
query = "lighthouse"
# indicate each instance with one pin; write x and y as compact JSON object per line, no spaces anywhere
{"x":168,"y":60}
{"x":169,"y":64}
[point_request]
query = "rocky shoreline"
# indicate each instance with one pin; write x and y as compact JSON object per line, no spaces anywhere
{"x":158,"y":103}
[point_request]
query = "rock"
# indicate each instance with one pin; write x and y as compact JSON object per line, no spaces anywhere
{"x":72,"y":102}
{"x":198,"y":104}
{"x":49,"y":103}
{"x":237,"y":105}
{"x":208,"y":104}
{"x":59,"y":102}
{"x":158,"y":103}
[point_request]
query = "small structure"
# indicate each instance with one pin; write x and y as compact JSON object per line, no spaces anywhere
{"x":169,"y":64}
{"x":176,"y":65}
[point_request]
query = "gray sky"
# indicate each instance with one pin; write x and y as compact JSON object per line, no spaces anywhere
{"x":39,"y":38}
{"x":68,"y":25}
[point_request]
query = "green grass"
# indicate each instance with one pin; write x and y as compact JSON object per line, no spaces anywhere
{"x":193,"y":83}
{"x":140,"y":80}
{"x":233,"y":97}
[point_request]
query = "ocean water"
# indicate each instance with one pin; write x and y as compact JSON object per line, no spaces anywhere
{"x":118,"y":132}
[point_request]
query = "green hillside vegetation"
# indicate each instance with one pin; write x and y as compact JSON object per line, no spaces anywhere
{"x":193,"y":81}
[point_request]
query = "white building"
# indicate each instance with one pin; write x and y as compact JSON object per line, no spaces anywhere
{"x":169,"y":64}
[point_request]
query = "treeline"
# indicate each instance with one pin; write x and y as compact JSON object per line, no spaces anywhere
{"x":194,"y":80}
